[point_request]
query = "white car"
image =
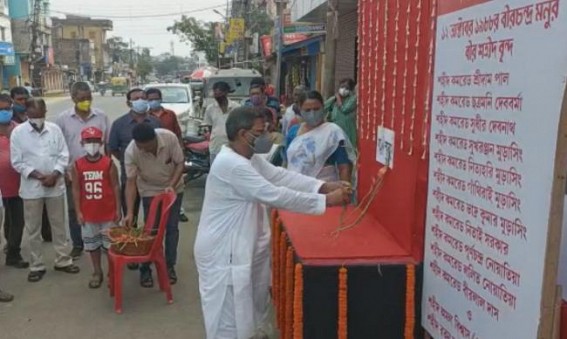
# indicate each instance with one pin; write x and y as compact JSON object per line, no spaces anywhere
{"x":178,"y":98}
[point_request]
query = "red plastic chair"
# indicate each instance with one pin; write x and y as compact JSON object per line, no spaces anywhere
{"x":116,"y":262}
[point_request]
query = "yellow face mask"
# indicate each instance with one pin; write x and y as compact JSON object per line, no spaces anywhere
{"x":84,"y":105}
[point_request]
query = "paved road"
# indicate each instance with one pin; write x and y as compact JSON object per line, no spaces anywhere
{"x":61,"y":306}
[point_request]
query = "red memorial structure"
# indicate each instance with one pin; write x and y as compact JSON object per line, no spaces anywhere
{"x":364,"y":281}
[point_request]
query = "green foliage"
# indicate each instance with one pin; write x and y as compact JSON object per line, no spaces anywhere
{"x":144,"y":66}
{"x":168,"y":66}
{"x":200,"y":34}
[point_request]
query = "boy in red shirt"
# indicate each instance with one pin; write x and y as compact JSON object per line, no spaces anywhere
{"x":96,"y":194}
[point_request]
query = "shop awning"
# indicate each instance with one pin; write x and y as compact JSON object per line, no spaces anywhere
{"x":6,"y":48}
{"x":311,"y":46}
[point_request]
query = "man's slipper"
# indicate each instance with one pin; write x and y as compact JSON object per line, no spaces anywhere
{"x":36,"y":276}
{"x":71,"y":269}
{"x":96,"y":281}
{"x":5,"y":297}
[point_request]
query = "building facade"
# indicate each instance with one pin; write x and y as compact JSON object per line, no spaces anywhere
{"x":34,"y":57}
{"x":7,"y":55}
{"x":96,"y":62}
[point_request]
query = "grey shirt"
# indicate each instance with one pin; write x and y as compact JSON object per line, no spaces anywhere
{"x":121,"y":135}
{"x":71,"y":125}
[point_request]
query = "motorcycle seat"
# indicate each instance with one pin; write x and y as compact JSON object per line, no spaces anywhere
{"x":192,"y":139}
{"x":202,"y":146}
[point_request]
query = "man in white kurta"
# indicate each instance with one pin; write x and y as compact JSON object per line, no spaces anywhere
{"x":232,"y":249}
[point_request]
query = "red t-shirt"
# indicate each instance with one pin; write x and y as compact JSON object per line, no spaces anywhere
{"x":9,"y":178}
{"x":98,"y":202}
{"x":168,"y":120}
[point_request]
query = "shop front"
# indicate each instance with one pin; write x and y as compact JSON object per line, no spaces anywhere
{"x":301,"y":64}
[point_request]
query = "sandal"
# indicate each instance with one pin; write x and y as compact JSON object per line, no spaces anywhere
{"x":71,"y":269}
{"x":5,"y":297}
{"x":146,"y":280}
{"x":36,"y":276}
{"x":96,"y":281}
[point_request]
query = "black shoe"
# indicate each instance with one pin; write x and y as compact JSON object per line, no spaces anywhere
{"x":172,"y":275}
{"x":17,"y":263}
{"x":183,"y":217}
{"x":146,"y":279}
{"x":133,"y":267}
{"x":36,"y":276}
{"x":71,"y":269}
{"x":76,"y":253}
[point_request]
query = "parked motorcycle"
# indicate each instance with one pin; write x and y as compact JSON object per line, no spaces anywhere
{"x":197,"y":156}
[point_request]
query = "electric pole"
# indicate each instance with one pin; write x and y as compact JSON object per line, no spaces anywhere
{"x":35,"y":27}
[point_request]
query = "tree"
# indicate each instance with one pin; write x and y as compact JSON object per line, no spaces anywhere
{"x":119,"y":50}
{"x":200,"y":34}
{"x":168,"y":66}
{"x":144,"y":66}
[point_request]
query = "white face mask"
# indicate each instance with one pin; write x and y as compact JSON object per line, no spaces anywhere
{"x":92,"y":149}
{"x":37,"y":122}
{"x":344,"y":92}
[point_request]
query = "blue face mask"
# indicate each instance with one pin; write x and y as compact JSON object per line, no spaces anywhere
{"x":140,"y":106}
{"x":5,"y":116}
{"x":19,"y":108}
{"x":154,"y":104}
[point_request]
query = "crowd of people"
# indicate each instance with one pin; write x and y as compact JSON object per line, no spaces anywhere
{"x":45,"y":161}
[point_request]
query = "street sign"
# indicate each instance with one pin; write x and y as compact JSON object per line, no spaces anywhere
{"x":236,"y":30}
{"x":305,"y":28}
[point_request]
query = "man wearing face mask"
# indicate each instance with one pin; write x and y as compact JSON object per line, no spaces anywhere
{"x":72,"y":122}
{"x":154,"y":164}
{"x":342,"y":108}
{"x":9,"y":185}
{"x":233,"y":237}
{"x":259,"y":97}
{"x":167,"y":118}
{"x":121,"y":136}
{"x":19,"y":96}
{"x":40,"y":155}
{"x":215,"y":117}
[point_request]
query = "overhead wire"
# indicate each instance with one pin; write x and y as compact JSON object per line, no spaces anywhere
{"x":142,"y":16}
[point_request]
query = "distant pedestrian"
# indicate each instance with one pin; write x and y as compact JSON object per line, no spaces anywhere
{"x":154,"y":164}
{"x":292,"y":114}
{"x":72,"y":121}
{"x":40,"y":155}
{"x":5,"y":297}
{"x":216,"y":115}
{"x":259,"y":97}
{"x":29,"y":88}
{"x":342,"y":109}
{"x":96,"y":196}
{"x":10,"y":185}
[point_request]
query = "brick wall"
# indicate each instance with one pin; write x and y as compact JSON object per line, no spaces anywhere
{"x":346,"y":49}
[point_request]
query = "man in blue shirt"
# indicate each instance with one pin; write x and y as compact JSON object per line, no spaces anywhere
{"x":121,"y":135}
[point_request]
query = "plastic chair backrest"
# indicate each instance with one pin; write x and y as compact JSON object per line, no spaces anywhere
{"x":166,"y":200}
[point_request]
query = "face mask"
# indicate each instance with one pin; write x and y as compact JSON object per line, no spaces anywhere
{"x":19,"y":108}
{"x":92,"y":149}
{"x":262,"y":144}
{"x":344,"y":92}
{"x":84,"y":106}
{"x":37,"y":122}
{"x":154,"y":104}
{"x":5,"y":116}
{"x":313,"y":118}
{"x":140,"y":106}
{"x":256,"y":99}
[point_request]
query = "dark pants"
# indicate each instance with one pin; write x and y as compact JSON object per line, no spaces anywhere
{"x":45,"y":226}
{"x":123,"y":201}
{"x":171,"y":230}
{"x":13,"y":226}
{"x":74,"y":227}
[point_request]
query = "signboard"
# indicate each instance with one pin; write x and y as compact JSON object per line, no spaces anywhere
{"x":293,"y":38}
{"x":306,"y":28}
{"x":236,"y":30}
{"x":497,"y":98}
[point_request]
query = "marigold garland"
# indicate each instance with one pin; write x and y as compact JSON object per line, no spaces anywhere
{"x":298,"y":303}
{"x":287,"y":331}
{"x":281,"y":283}
{"x":342,"y":321}
{"x":410,"y":302}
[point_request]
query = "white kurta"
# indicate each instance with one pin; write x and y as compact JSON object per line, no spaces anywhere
{"x":232,"y":250}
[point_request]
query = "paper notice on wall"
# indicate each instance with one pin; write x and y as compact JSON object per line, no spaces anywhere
{"x":497,"y":96}
{"x":385,"y":147}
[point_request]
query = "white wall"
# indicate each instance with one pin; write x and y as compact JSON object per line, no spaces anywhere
{"x":303,"y":7}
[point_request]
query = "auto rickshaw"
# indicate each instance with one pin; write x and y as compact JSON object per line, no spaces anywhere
{"x":119,"y":85}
